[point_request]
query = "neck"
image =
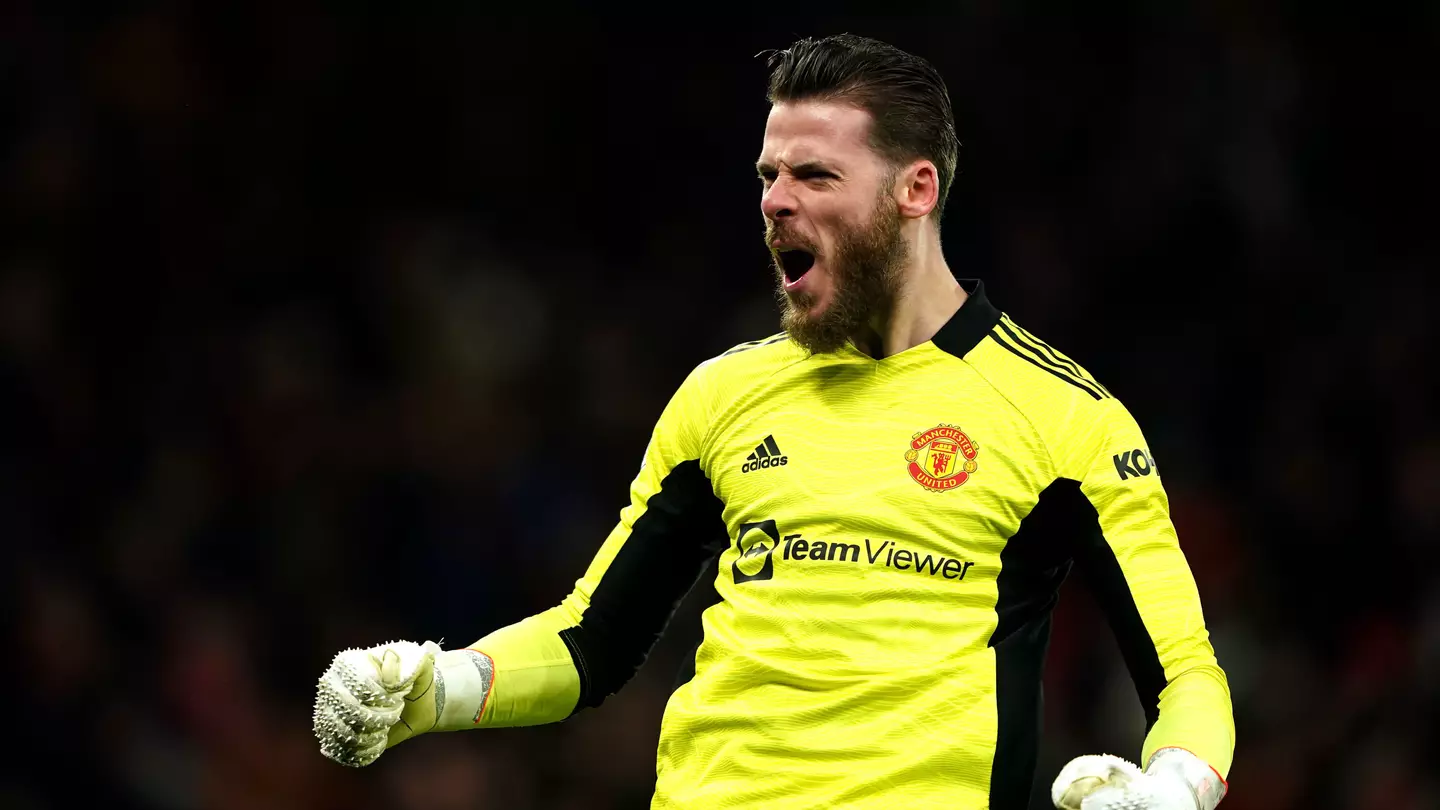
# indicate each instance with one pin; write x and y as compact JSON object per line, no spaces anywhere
{"x":927,"y":299}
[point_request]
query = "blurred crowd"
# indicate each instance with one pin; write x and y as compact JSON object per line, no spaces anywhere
{"x":319,"y":329}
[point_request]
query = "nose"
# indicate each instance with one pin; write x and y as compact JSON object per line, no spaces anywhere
{"x":778,"y":201}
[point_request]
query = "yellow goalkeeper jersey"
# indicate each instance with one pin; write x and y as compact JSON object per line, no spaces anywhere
{"x":887,"y":538}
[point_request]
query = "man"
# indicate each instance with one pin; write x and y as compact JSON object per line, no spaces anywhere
{"x":887,"y":496}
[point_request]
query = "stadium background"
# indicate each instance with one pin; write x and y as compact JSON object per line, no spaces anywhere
{"x":323,"y":328}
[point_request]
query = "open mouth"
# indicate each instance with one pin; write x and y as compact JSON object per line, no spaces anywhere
{"x":796,"y":262}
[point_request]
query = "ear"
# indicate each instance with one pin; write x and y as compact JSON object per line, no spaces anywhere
{"x":917,"y":189}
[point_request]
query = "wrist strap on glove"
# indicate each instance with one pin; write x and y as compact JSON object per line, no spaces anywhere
{"x":463,"y":680}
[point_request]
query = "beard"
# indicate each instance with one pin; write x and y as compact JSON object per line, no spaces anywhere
{"x":865,"y":273}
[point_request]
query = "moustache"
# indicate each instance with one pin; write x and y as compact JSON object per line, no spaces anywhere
{"x":791,"y":239}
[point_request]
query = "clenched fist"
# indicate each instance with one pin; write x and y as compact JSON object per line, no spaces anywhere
{"x":1175,"y":780}
{"x":370,"y":699}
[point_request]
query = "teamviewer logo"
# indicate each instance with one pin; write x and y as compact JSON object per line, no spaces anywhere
{"x":765,"y":455}
{"x":756,"y":543}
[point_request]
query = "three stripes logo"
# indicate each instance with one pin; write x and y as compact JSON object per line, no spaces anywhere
{"x":1039,"y":354}
{"x":765,"y":455}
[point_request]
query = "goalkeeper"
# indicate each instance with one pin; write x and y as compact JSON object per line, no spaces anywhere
{"x":887,"y":496}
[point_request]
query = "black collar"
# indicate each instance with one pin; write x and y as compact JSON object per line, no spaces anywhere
{"x":970,"y":324}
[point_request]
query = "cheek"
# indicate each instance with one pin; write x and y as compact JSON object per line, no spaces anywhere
{"x":837,"y":220}
{"x":829,"y":227}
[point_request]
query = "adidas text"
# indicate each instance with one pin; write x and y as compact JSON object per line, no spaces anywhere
{"x":763,"y":463}
{"x":765,"y":455}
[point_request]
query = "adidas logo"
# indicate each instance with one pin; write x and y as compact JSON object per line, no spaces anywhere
{"x":766,"y":454}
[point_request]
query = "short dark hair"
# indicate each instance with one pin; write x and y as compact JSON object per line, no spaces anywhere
{"x":902,"y":92}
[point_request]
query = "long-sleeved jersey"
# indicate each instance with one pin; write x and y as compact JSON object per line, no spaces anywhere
{"x":887,"y":538}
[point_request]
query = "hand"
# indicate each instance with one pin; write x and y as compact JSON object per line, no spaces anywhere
{"x":368,"y":700}
{"x":1105,"y":782}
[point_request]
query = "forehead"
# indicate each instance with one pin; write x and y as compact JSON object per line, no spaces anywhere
{"x":810,"y":130}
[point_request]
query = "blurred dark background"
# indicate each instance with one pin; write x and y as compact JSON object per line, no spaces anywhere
{"x":321,"y":326}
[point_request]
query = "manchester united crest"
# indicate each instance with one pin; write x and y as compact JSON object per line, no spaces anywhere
{"x":941,"y":458}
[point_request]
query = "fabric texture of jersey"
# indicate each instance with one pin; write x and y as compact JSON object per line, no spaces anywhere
{"x":887,"y":539}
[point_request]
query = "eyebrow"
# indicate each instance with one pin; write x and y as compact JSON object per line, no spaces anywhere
{"x":805,"y":167}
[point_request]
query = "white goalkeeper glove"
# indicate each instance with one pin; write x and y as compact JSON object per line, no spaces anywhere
{"x":1175,"y":780}
{"x":368,"y":700}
